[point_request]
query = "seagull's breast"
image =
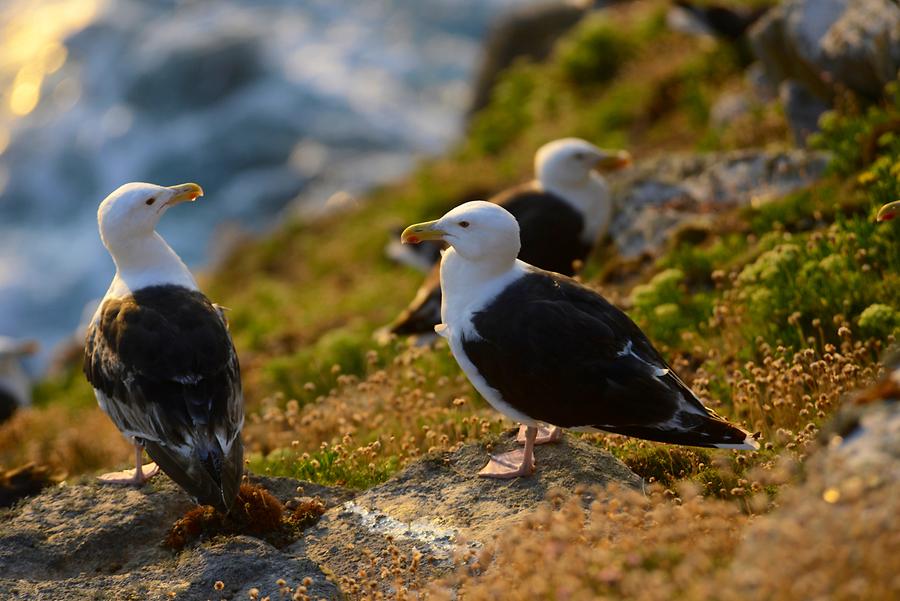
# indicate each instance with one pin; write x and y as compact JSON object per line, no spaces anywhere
{"x":463,"y":297}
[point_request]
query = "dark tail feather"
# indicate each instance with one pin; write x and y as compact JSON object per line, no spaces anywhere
{"x":423,"y":313}
{"x":695,"y":431}
{"x":207,"y":474}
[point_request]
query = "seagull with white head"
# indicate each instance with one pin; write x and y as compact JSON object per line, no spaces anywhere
{"x":159,"y":355}
{"x":561,"y":213}
{"x":15,"y":384}
{"x":889,"y":211}
{"x":542,"y":348}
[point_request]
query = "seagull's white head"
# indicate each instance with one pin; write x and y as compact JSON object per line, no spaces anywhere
{"x":568,"y":162}
{"x":133,"y":211}
{"x":478,"y":231}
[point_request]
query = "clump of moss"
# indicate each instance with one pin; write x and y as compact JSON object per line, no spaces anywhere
{"x":663,"y":464}
{"x":879,"y":320}
{"x":307,"y":512}
{"x":255,"y":512}
{"x":856,"y":135}
{"x":665,"y":308}
{"x":595,"y":52}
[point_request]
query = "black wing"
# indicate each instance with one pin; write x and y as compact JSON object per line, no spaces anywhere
{"x":424,"y":312}
{"x":550,"y":229}
{"x":560,"y":353}
{"x":166,"y":373}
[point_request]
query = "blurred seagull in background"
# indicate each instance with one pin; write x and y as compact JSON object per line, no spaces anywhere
{"x":888,"y":211}
{"x":159,"y":355}
{"x":561,"y":214}
{"x":542,"y":348}
{"x":15,"y":385}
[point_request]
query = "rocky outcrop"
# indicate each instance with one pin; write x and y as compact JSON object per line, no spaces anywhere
{"x":439,"y":507}
{"x":842,"y":518}
{"x":75,"y":541}
{"x":824,"y":45}
{"x":529,"y":32}
{"x":662,"y":195}
{"x":81,"y":541}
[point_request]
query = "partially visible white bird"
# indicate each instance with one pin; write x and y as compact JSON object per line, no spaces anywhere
{"x":15,"y":385}
{"x":159,"y":355}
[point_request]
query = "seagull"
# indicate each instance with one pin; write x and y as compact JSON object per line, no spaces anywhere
{"x":888,"y":211}
{"x":15,"y":385}
{"x":561,"y":214}
{"x":159,"y":355}
{"x":542,"y":348}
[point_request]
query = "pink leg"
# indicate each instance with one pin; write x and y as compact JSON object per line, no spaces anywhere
{"x":544,"y":435}
{"x":515,"y":463}
{"x":135,"y":477}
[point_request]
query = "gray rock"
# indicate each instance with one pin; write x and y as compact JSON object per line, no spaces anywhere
{"x":440,"y":507}
{"x":824,"y":43}
{"x":802,"y":109}
{"x":659,"y":196}
{"x":843,"y":517}
{"x":88,"y":541}
{"x":728,"y":107}
{"x":527,"y":32}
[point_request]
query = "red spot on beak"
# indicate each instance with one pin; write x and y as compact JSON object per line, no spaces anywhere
{"x":887,"y":216}
{"x":413,"y":240}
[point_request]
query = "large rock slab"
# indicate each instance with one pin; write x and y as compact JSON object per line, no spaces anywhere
{"x":661,"y":195}
{"x":87,"y":541}
{"x":440,"y":508}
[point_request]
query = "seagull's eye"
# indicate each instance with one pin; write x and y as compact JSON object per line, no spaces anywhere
{"x":463,"y":224}
{"x":150,"y":201}
{"x":579,"y":156}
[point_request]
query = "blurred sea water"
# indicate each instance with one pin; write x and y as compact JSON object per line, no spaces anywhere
{"x":267,"y":104}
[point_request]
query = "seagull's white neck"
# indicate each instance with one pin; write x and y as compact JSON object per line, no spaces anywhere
{"x":467,"y":285}
{"x":590,"y":197}
{"x":146,"y":260}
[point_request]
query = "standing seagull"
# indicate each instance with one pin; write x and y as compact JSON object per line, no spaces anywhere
{"x":159,"y":355}
{"x":542,"y":348}
{"x":561,"y":214}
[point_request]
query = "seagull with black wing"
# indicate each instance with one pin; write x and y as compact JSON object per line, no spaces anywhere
{"x":159,"y":355}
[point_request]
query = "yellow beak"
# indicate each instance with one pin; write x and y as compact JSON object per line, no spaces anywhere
{"x":421,"y":232}
{"x":184,"y":193}
{"x":889,"y":211}
{"x":612,"y":161}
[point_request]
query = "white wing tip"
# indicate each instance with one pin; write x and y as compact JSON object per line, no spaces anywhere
{"x":749,"y":444}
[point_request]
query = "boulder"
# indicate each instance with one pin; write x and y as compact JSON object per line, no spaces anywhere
{"x":441,"y":508}
{"x":834,"y":535}
{"x":661,"y":195}
{"x":529,"y":32}
{"x":824,"y":45}
{"x":78,"y":540}
{"x":801,"y":108}
{"x":83,"y":540}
